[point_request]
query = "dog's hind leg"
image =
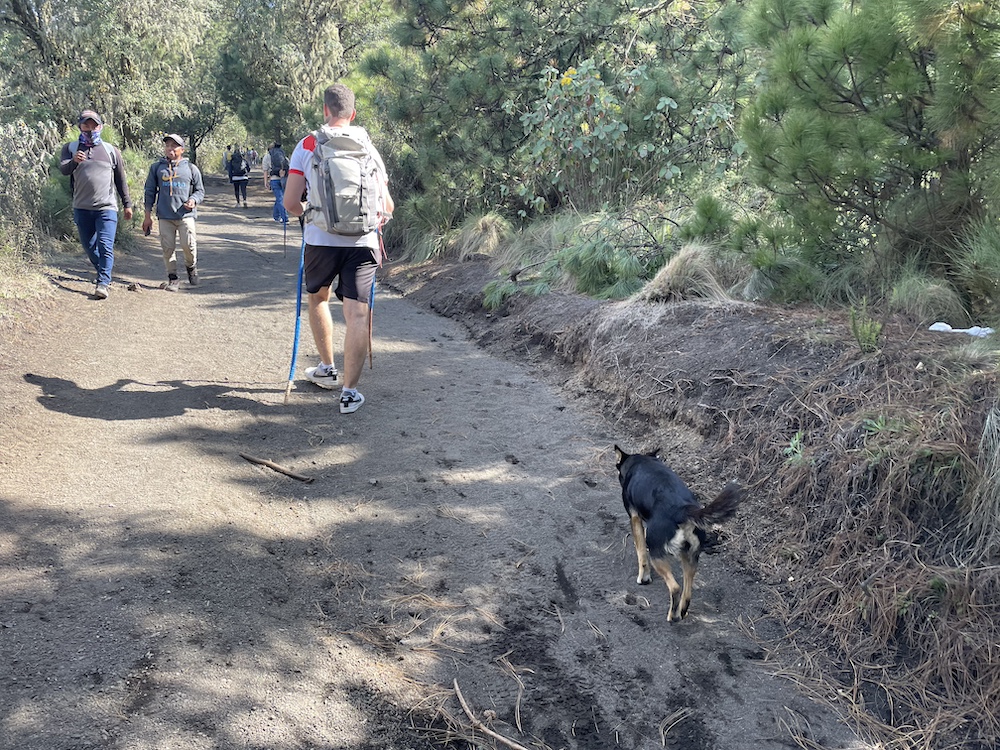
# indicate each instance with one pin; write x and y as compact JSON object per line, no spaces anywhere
{"x":641,"y":551}
{"x":689,"y":564}
{"x":662,"y":566}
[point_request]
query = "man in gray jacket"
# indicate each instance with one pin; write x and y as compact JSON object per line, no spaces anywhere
{"x":175,"y":187}
{"x":96,"y":171}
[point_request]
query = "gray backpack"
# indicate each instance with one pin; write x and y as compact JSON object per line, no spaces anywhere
{"x":345,"y":184}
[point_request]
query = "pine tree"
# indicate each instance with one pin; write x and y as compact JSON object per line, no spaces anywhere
{"x":876,"y":121}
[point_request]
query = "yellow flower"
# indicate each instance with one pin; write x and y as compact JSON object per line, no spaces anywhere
{"x":567,"y":78}
{"x":584,"y":127}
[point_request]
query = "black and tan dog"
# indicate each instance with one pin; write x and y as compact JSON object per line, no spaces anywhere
{"x":668,"y":520}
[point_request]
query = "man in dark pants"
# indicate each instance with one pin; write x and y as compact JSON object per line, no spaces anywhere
{"x":96,"y":170}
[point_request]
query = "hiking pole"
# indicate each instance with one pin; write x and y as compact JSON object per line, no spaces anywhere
{"x":298,"y":320}
{"x":371,"y":318}
{"x":371,"y":297}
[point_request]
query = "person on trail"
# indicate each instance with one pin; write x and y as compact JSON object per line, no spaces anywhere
{"x":350,"y":259}
{"x":239,"y":175}
{"x":227,"y":156}
{"x":175,"y":187}
{"x":96,"y":171}
{"x":275,"y":178}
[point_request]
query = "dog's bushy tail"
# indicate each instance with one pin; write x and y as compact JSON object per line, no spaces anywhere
{"x":722,"y":507}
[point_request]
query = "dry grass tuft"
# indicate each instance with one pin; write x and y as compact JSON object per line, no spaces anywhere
{"x":981,"y":516}
{"x":479,"y":235}
{"x":690,"y":274}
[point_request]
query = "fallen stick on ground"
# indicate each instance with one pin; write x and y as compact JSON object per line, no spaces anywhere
{"x":277,"y":468}
{"x":482,"y":727}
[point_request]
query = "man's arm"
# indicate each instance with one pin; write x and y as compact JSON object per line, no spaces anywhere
{"x":197,"y":185}
{"x":390,"y":204}
{"x":149,"y":198}
{"x":67,"y":164}
{"x":294,"y":189}
{"x":121,"y":184}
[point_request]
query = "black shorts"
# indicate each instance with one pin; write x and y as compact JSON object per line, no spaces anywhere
{"x":353,"y":266}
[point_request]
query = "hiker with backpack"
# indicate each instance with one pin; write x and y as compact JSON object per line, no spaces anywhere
{"x":174,"y":185}
{"x":96,"y":171}
{"x":275,"y":178}
{"x":239,"y":175}
{"x":347,"y":202}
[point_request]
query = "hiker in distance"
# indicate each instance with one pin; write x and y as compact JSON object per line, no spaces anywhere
{"x":342,"y":241}
{"x":239,"y":175}
{"x":175,"y":187}
{"x":96,"y":171}
{"x":275,"y":179}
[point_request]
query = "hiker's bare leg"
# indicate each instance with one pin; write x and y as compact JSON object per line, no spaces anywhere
{"x":321,"y":323}
{"x":355,"y":341}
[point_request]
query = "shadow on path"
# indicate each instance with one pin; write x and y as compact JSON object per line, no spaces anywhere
{"x":127,"y":399}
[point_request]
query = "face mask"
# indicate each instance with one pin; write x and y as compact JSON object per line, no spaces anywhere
{"x":86,"y":139}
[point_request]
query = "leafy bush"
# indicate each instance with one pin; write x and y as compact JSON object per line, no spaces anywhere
{"x":28,"y":148}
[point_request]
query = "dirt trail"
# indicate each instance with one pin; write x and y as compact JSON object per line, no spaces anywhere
{"x":159,"y":591}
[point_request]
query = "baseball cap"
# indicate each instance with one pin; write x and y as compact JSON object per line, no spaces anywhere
{"x":173,"y":137}
{"x":89,"y":114}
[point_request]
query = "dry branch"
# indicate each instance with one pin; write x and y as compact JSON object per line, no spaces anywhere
{"x":277,"y":467}
{"x":482,"y":727}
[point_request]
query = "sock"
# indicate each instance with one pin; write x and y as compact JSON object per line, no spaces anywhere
{"x":349,"y":392}
{"x":324,"y":369}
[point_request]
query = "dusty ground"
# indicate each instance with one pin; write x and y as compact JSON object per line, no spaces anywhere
{"x":159,"y":591}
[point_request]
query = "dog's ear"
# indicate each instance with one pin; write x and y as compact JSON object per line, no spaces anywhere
{"x":620,"y":457}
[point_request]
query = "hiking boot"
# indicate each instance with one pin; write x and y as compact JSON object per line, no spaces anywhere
{"x":172,"y":283}
{"x":193,"y":276}
{"x":324,"y":378}
{"x":101,"y":292}
{"x":350,"y":404}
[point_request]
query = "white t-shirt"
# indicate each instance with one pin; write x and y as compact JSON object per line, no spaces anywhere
{"x":301,"y":162}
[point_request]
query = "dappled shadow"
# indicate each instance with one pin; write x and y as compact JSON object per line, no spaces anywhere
{"x":119,"y":612}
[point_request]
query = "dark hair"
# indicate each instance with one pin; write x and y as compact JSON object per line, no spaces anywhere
{"x":339,"y":99}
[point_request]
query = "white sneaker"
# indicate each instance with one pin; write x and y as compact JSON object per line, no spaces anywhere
{"x":326,"y":379}
{"x":101,"y":292}
{"x":350,"y":404}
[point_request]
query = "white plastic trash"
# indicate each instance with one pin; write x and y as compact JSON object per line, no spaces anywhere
{"x":977,"y":331}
